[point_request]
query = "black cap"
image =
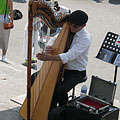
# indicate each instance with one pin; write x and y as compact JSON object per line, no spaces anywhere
{"x":78,"y":17}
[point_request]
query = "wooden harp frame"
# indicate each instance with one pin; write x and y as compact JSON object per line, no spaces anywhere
{"x":40,"y":111}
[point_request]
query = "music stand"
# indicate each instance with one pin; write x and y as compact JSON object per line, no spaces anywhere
{"x":110,"y":51}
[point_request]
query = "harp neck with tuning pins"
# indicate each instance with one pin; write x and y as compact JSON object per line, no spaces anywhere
{"x":39,"y":95}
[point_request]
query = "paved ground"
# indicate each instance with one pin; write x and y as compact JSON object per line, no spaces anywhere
{"x":103,"y":17}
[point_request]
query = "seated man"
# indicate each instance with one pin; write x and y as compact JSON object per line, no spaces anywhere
{"x":76,"y":58}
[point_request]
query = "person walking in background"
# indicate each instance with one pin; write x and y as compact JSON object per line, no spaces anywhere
{"x":35,"y":34}
{"x":5,"y":5}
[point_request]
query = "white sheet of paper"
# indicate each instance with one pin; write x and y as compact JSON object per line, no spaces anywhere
{"x":118,"y":41}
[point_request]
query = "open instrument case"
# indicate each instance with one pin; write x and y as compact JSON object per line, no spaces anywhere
{"x":99,"y":102}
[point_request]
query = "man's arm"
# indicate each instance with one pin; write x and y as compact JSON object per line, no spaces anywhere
{"x":10,"y":5}
{"x":48,"y":57}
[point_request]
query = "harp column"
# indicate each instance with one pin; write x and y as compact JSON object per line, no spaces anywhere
{"x":30,"y":28}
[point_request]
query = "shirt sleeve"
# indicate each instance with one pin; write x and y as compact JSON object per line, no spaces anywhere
{"x":76,"y":50}
{"x":52,"y":40}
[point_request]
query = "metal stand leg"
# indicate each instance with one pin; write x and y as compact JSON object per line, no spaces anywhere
{"x":73,"y":93}
{"x":115,"y":75}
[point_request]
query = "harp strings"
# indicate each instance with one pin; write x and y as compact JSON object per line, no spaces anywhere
{"x":40,"y":79}
{"x":39,"y":45}
{"x":35,"y":50}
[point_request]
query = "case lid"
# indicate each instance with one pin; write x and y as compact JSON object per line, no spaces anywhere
{"x":102,"y":89}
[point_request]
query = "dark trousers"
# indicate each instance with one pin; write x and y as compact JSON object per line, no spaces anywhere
{"x":71,"y":79}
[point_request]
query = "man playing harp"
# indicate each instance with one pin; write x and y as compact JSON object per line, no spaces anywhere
{"x":76,"y":58}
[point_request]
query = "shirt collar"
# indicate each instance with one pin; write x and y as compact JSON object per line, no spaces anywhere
{"x":79,"y":32}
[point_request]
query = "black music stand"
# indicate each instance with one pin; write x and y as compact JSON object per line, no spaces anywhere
{"x":110,"y":51}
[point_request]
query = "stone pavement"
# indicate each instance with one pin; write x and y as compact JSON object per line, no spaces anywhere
{"x":103,"y":17}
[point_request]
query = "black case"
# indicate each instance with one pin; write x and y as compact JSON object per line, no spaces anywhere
{"x":78,"y":114}
{"x":103,"y":90}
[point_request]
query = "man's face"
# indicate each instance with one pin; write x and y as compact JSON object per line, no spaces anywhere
{"x":75,"y":28}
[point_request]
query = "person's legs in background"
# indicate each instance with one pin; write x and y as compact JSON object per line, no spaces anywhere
{"x":34,"y":46}
{"x":4,"y":55}
{"x":4,"y":40}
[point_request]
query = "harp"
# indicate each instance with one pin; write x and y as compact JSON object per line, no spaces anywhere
{"x":36,"y":105}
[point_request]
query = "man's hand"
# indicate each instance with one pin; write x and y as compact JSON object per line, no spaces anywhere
{"x":43,"y":56}
{"x":48,"y":57}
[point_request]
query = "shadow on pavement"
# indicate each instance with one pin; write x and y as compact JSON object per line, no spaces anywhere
{"x":10,"y":114}
{"x":110,"y":1}
{"x":20,"y":1}
{"x":114,"y":2}
{"x":6,"y":62}
{"x":98,"y":1}
{"x":33,"y":66}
